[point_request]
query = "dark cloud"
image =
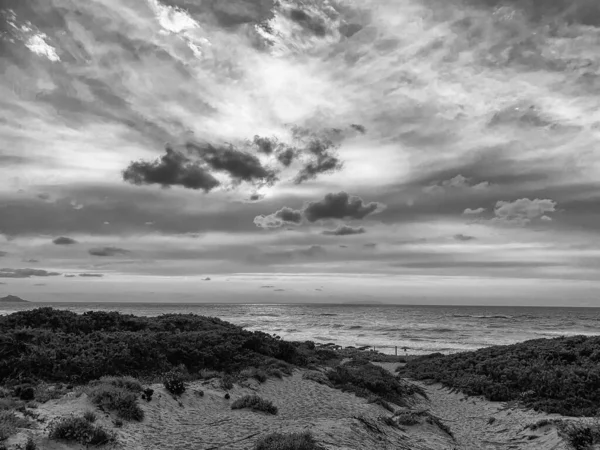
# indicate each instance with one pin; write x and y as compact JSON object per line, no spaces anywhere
{"x":370,"y":245}
{"x":265,"y":145}
{"x":64,"y":241}
{"x":31,"y":261}
{"x":286,"y":156}
{"x":3,"y":254}
{"x":241,"y":166}
{"x":463,"y":237}
{"x":43,"y":196}
{"x":344,"y":230}
{"x":285,"y":216}
{"x":349,"y":29}
{"x":171,"y":169}
{"x":26,"y":273}
{"x":108,"y":251}
{"x":319,"y":148}
{"x":322,"y":164}
{"x":91,"y":275}
{"x":309,"y":22}
{"x":360,"y":128}
{"x":340,"y":206}
{"x":69,"y":275}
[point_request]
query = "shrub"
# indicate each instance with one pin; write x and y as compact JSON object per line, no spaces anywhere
{"x":55,"y":345}
{"x":319,"y":377}
{"x":226,"y":382}
{"x":287,"y":441}
{"x":127,"y":383}
{"x":147,"y":394}
{"x":25,"y":392}
{"x":364,"y":379}
{"x":90,"y":416}
{"x":255,"y":403}
{"x":116,"y":399}
{"x":559,"y":375}
{"x":77,"y":429}
{"x":10,"y":423}
{"x":257,"y":374}
{"x":580,"y":436}
{"x":273,"y":372}
{"x":30,"y":444}
{"x":173,"y":382}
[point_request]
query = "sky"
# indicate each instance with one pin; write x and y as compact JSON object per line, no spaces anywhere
{"x":403,"y":151}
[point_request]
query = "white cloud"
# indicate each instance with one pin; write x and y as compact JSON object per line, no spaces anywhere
{"x":473,"y":212}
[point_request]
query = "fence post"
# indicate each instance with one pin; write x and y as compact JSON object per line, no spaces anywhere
{"x":396,"y":350}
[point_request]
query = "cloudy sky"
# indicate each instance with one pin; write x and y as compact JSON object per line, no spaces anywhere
{"x":380,"y":150}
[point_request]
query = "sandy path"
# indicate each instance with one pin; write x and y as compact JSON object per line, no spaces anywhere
{"x":478,"y":424}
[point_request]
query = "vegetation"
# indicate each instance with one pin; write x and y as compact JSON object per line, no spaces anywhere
{"x":316,"y":376}
{"x":112,"y":397}
{"x":255,"y":403}
{"x":288,"y":441}
{"x":30,"y":444}
{"x":365,"y":380}
{"x":10,"y":423}
{"x":90,"y":416}
{"x":61,"y":346}
{"x":560,"y":375}
{"x":174,"y":383}
{"x":77,"y":429}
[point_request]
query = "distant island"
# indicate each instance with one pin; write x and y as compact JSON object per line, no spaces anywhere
{"x":12,"y":299}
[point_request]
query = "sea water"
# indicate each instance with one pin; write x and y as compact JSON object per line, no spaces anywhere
{"x":411,"y":329}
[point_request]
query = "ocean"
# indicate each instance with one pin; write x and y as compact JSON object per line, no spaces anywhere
{"x":412,"y":329}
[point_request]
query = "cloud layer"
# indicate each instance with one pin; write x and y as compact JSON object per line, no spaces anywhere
{"x":446,"y":139}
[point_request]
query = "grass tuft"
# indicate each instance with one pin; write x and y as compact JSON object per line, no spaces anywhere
{"x":255,"y":403}
{"x":287,"y":441}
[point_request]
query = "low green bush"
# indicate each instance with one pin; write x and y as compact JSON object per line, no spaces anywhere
{"x":365,"y":379}
{"x":174,"y":382}
{"x":287,"y":441}
{"x":560,"y":375}
{"x":116,"y":399}
{"x":255,"y":403}
{"x":77,"y":429}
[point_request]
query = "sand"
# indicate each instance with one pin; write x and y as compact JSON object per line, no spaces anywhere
{"x":338,"y":420}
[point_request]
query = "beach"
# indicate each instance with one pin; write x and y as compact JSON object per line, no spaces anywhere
{"x":189,"y":382}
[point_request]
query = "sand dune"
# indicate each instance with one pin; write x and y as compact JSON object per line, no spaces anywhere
{"x":338,"y":420}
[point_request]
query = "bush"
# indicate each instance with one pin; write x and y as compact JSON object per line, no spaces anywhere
{"x":77,"y":429}
{"x":128,"y":383}
{"x":60,"y":346}
{"x":364,"y":379}
{"x":580,"y":436}
{"x":560,"y":375}
{"x":317,"y":376}
{"x":90,"y":416}
{"x":287,"y":441}
{"x":25,"y":392}
{"x":173,"y":382}
{"x":255,"y":403}
{"x":226,"y":382}
{"x":147,"y":394}
{"x":30,"y":444}
{"x":116,"y":399}
{"x":10,"y":423}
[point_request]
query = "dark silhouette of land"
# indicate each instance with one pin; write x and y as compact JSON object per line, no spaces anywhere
{"x":12,"y":299}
